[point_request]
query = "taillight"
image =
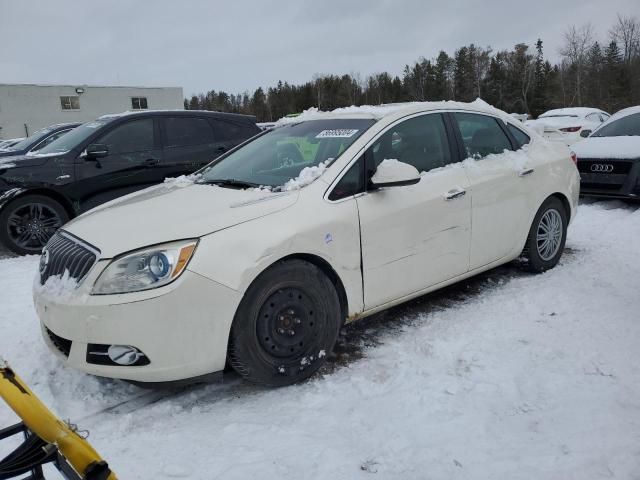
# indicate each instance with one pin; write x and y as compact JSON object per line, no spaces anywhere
{"x":574,"y":158}
{"x":570,"y":129}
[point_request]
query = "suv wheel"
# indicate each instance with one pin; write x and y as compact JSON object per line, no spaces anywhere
{"x":27,"y":223}
{"x":286,"y":325}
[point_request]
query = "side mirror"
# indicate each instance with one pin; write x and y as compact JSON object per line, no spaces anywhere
{"x":97,"y":150}
{"x":392,"y":173}
{"x":585,"y":133}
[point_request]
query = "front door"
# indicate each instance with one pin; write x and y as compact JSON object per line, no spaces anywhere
{"x":414,"y":236}
{"x":133,"y":163}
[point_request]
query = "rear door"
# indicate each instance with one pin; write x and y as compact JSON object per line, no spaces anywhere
{"x":189,"y":144}
{"x":132,"y":163}
{"x":500,"y":184}
{"x":414,"y":236}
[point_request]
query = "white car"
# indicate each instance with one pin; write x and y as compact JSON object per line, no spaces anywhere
{"x":260,"y":258}
{"x":609,"y":160}
{"x":568,"y":125}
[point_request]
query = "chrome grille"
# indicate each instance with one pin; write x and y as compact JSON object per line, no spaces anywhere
{"x":66,"y":253}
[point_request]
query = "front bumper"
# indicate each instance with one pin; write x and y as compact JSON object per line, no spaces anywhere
{"x":182,"y":328}
{"x":622,"y":182}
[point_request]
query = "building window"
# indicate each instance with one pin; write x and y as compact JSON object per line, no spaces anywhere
{"x":70,"y":103}
{"x":139,"y":103}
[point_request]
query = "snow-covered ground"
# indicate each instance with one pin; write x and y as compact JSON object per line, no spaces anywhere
{"x":505,"y":376}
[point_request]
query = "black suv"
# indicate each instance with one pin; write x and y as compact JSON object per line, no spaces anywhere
{"x":38,"y":140}
{"x":104,"y":159}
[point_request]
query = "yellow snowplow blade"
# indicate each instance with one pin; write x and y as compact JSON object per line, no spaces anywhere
{"x":39,"y":420}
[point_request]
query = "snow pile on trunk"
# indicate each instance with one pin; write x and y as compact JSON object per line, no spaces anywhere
{"x":307,"y":175}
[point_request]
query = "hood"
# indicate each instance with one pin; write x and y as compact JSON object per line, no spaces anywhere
{"x":608,"y":147}
{"x":17,"y":161}
{"x":172,"y":211}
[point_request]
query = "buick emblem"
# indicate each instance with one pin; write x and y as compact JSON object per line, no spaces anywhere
{"x":602,"y":167}
{"x":44,"y":261}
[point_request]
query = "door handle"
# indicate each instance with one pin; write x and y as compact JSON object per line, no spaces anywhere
{"x":455,"y":193}
{"x":151,"y":161}
{"x":524,"y":173}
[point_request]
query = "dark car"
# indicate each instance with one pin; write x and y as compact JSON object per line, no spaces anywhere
{"x":40,"y":139}
{"x":105,"y":159}
{"x":609,"y":159}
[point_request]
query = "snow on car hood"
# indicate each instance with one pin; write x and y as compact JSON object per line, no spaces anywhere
{"x":608,"y":147}
{"x":172,"y":211}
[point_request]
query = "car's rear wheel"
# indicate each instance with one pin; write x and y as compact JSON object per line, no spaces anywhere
{"x":547,"y":236}
{"x":27,"y":223}
{"x":286,"y":324}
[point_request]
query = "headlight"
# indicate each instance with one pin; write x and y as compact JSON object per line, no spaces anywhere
{"x":145,"y":269}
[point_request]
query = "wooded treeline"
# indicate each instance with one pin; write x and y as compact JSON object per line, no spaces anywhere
{"x":590,"y":73}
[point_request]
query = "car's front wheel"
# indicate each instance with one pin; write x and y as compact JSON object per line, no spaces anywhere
{"x":547,"y":236}
{"x":27,"y":223}
{"x":286,"y":325}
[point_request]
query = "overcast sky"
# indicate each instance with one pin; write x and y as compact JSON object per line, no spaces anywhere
{"x":238,"y":45}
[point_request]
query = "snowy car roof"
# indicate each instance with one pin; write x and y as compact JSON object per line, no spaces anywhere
{"x":625,"y":112}
{"x":571,"y":111}
{"x":377,"y":112}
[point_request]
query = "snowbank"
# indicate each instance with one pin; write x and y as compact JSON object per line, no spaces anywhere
{"x":508,"y":376}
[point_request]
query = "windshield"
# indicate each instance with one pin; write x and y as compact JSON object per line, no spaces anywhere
{"x":30,"y":140}
{"x":277,"y":158}
{"x":76,"y":136}
{"x":626,"y":126}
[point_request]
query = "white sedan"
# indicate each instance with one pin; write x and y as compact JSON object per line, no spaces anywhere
{"x":568,"y":125}
{"x":259,"y":259}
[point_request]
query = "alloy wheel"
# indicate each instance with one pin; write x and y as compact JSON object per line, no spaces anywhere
{"x":31,"y":226}
{"x":549,"y":234}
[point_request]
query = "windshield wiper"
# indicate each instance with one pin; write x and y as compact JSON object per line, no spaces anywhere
{"x":231,"y":182}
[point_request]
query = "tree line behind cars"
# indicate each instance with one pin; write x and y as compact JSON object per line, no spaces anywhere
{"x":590,"y":72}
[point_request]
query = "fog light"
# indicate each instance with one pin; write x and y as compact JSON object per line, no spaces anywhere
{"x":124,"y":354}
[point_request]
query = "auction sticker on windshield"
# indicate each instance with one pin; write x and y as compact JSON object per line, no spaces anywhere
{"x":337,"y":133}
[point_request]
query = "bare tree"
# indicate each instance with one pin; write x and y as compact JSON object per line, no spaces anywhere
{"x":626,"y":32}
{"x":577,"y":44}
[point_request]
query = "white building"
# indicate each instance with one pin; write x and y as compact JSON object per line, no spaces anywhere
{"x":26,"y":108}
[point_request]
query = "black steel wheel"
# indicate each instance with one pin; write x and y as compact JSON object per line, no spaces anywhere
{"x":286,"y":325}
{"x":27,"y":223}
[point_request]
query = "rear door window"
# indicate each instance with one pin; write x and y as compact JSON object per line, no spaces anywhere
{"x":187,"y":131}
{"x":481,"y":135}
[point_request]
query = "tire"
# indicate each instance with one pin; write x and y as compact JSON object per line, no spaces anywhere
{"x":286,"y":325}
{"x":541,"y":255}
{"x":27,"y":223}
